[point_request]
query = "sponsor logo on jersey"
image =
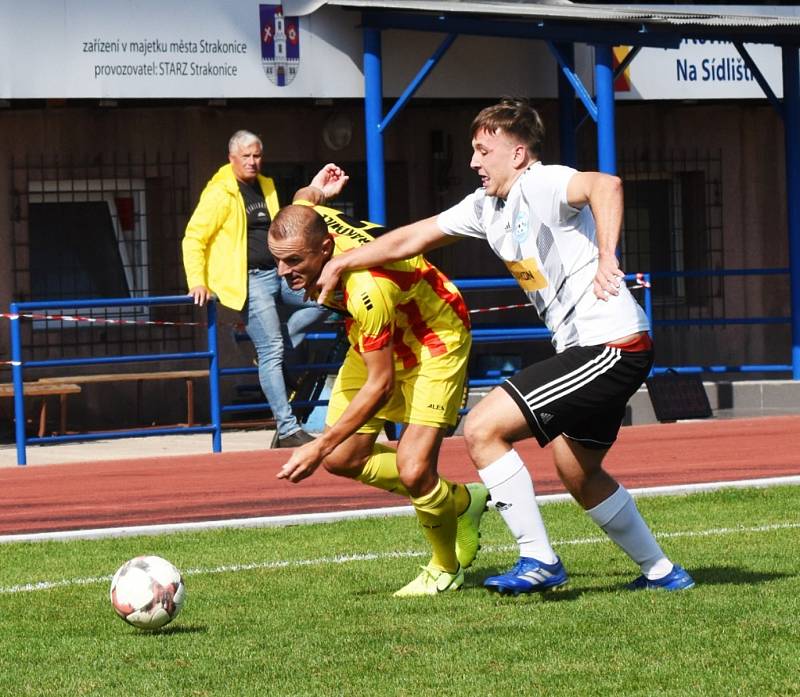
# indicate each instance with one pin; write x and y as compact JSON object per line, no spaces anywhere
{"x":527,"y":274}
{"x":341,"y":224}
{"x":522,"y":227}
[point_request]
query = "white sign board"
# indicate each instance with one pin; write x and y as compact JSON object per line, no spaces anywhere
{"x":170,"y":48}
{"x":699,"y":70}
{"x":129,"y":49}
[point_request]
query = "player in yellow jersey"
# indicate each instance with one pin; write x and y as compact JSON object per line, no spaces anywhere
{"x":409,"y":335}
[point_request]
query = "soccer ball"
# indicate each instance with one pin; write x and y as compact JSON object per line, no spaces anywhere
{"x":147,"y":592}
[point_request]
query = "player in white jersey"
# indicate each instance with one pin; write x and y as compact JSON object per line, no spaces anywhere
{"x":557,"y":230}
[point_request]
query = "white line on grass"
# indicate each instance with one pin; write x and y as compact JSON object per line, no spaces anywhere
{"x":379,"y":556}
{"x":334,"y":516}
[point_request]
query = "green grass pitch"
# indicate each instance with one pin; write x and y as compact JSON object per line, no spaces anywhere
{"x":308,"y":610}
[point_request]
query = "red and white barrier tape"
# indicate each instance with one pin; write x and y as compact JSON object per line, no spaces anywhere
{"x":100,"y":320}
{"x":499,"y":307}
{"x":640,"y":283}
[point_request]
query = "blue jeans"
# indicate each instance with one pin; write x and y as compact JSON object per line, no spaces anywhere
{"x":266,"y":292}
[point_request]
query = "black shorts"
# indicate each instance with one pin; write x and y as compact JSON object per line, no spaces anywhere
{"x":580,"y":393}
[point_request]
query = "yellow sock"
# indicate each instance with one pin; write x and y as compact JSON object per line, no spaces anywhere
{"x":436,"y":513}
{"x":461,"y":498}
{"x":381,"y":472}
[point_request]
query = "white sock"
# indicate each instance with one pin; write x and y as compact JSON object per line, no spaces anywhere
{"x":511,"y":488}
{"x":619,"y":517}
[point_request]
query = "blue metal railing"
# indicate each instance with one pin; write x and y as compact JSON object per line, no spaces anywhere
{"x":723,"y":321}
{"x":481,"y":334}
{"x":18,"y":365}
{"x":496,"y":334}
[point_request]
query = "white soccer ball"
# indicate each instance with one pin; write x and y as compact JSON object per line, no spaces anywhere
{"x":147,"y":592}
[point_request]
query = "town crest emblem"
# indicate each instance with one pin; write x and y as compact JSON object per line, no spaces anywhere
{"x":280,"y":44}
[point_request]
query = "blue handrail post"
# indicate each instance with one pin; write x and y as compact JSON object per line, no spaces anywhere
{"x":648,"y":307}
{"x":604,"y":79}
{"x":648,"y":299}
{"x":791,"y":122}
{"x":373,"y":115}
{"x":32,"y":306}
{"x":19,"y":383}
{"x":213,"y":377}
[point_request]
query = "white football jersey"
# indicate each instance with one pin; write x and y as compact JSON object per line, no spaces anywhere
{"x":551,"y":249}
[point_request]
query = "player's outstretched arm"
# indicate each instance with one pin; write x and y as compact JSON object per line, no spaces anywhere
{"x":603,"y":193}
{"x":369,"y":398}
{"x":401,"y":243}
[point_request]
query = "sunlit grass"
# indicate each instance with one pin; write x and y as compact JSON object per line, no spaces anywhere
{"x":308,"y":610}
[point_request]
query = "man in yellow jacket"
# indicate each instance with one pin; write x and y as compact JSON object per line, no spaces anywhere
{"x":225,"y":253}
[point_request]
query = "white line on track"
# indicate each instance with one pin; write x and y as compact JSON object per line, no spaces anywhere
{"x":381,"y":556}
{"x":334,"y":516}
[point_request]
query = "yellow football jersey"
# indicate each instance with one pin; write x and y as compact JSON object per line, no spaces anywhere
{"x":409,"y":303}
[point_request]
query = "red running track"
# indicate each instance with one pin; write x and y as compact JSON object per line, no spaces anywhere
{"x":187,"y":488}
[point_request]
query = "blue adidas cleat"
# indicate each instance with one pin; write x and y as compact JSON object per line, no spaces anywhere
{"x":529,"y":575}
{"x":676,"y":580}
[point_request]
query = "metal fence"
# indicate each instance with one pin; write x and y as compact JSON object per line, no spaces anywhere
{"x":101,"y":227}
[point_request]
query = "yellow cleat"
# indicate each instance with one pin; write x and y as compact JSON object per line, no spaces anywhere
{"x":468,"y":531}
{"x":432,"y":581}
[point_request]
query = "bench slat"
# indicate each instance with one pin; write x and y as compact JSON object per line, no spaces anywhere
{"x":35,"y":389}
{"x":128,"y":377}
{"x":139,"y":378}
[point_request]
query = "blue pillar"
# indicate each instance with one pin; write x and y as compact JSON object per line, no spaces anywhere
{"x":791,"y":111}
{"x":213,"y":377}
{"x":373,"y":114}
{"x":566,"y":109}
{"x":16,"y":372}
{"x":604,"y":80}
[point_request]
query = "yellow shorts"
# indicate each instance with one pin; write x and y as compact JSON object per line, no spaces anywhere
{"x":429,"y":394}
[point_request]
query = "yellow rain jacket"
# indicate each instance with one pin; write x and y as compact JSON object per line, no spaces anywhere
{"x":215,"y":244}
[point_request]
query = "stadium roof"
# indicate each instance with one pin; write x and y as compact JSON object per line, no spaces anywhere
{"x":749,"y":23}
{"x":563,"y":22}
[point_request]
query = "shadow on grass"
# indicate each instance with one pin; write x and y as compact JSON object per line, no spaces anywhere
{"x":710,"y":575}
{"x":731,"y":575}
{"x":176,"y":629}
{"x":703,"y":576}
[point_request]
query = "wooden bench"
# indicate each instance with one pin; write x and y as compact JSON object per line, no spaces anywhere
{"x":188,"y":375}
{"x":61,"y":388}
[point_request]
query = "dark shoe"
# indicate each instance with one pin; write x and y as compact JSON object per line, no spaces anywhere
{"x":293,"y":440}
{"x":675,"y":580}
